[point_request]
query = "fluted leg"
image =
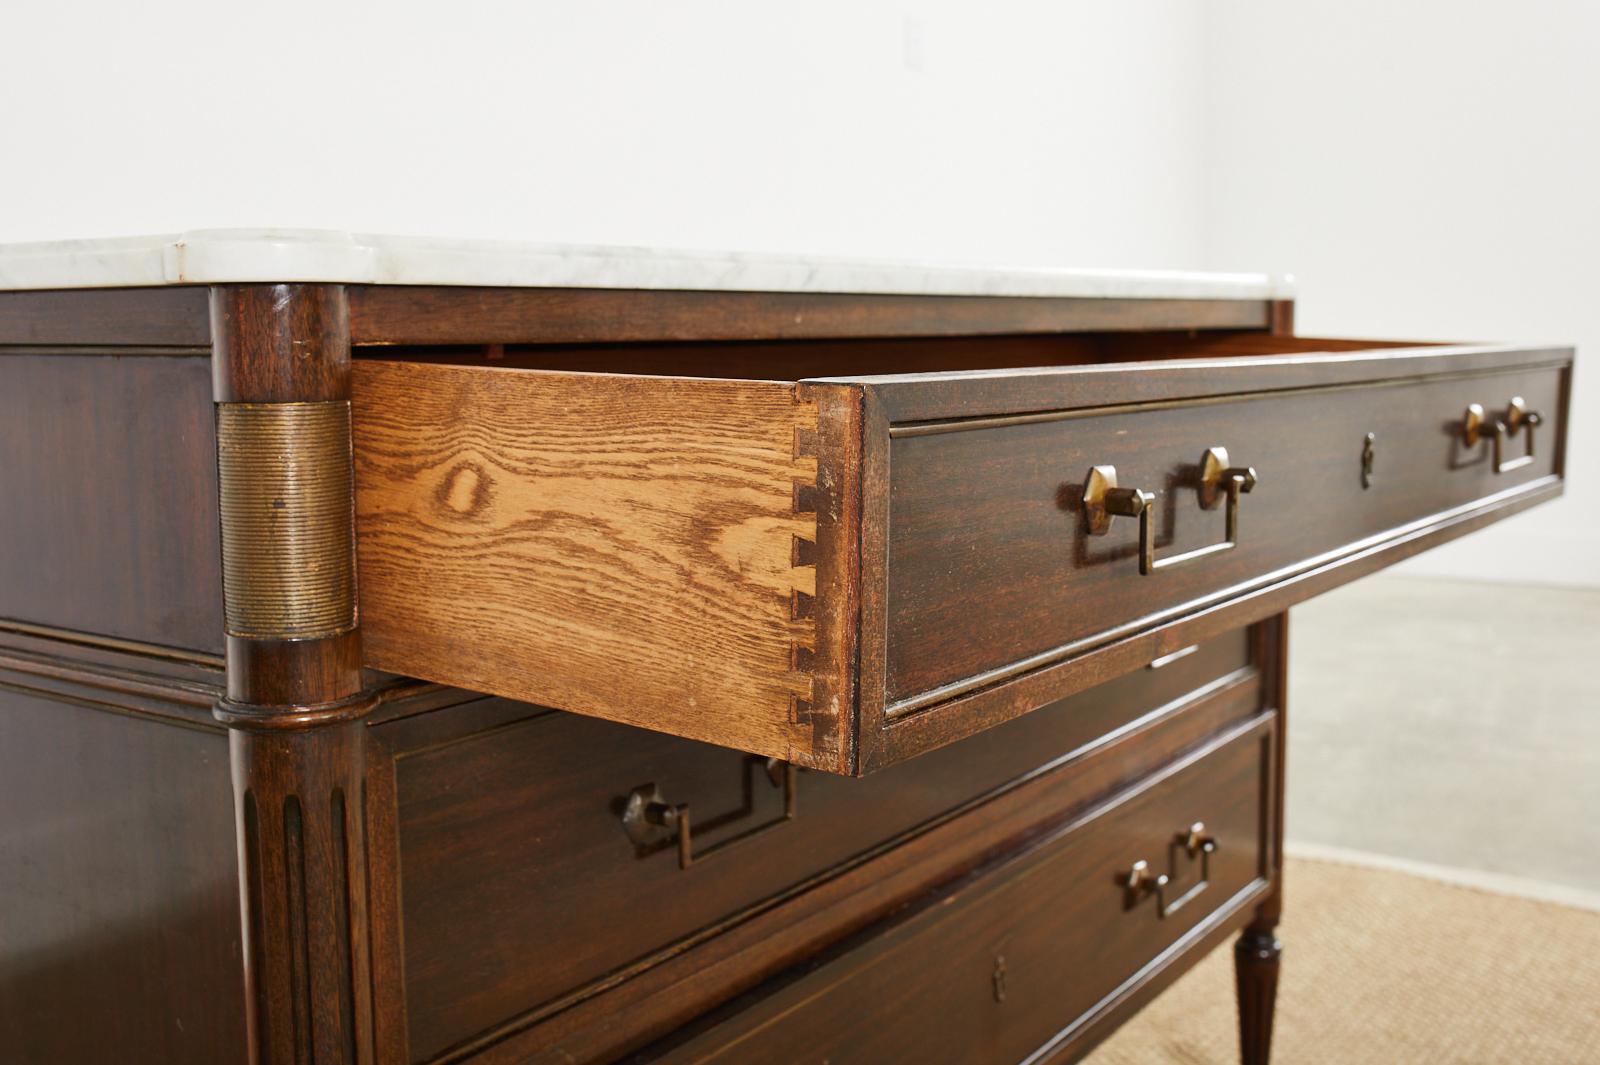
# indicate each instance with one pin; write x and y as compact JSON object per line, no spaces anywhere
{"x":1255,"y":959}
{"x":302,"y":865}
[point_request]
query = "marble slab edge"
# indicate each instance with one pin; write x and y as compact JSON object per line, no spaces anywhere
{"x":202,"y":257}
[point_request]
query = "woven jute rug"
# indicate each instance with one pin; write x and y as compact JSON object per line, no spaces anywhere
{"x":1385,"y":967}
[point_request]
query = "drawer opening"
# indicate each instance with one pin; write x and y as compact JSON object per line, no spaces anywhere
{"x":844,"y":553}
{"x":798,"y":360}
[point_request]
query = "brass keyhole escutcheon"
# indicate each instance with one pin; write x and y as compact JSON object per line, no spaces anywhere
{"x":1368,"y":453}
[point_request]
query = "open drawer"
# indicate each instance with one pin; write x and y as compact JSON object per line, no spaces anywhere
{"x":897,"y":544}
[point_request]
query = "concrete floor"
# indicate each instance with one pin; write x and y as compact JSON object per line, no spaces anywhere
{"x":1451,"y":723}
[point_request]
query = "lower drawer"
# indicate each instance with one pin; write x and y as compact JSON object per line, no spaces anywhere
{"x":522,"y":892}
{"x":1021,"y":959}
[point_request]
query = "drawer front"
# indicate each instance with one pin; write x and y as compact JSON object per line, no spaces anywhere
{"x":1021,"y":959}
{"x":993,"y":569}
{"x":513,"y":846}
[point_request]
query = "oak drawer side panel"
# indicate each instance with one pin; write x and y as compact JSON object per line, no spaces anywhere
{"x":625,"y":547}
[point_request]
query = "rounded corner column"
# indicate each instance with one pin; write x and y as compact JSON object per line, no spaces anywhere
{"x":295,"y":699}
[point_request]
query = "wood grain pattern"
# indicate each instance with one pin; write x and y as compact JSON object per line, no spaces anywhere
{"x":835,"y":501}
{"x":631,"y":548}
{"x":280,"y":343}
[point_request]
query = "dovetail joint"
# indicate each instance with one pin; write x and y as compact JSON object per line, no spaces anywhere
{"x":809,"y":500}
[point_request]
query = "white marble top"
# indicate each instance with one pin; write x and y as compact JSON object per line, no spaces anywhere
{"x":222,"y":256}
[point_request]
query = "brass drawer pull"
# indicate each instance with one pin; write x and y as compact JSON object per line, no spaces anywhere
{"x":647,"y":812}
{"x":1103,"y":500}
{"x":1194,"y":842}
{"x":1475,"y":426}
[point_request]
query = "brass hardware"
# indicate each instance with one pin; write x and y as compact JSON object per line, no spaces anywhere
{"x":647,"y":812}
{"x":1194,"y":842}
{"x":1198,"y":841}
{"x":1103,"y":500}
{"x":1141,"y":882}
{"x":288,"y":540}
{"x":1215,"y":472}
{"x":999,"y":978}
{"x":1475,"y":425}
{"x":1368,"y":453}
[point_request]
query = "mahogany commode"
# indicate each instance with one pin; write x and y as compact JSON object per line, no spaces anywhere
{"x":429,"y":652}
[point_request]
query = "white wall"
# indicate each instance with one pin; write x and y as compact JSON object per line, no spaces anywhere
{"x":1035,"y":132}
{"x":1427,"y":169}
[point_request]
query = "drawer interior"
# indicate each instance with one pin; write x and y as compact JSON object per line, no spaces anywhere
{"x":798,"y":360}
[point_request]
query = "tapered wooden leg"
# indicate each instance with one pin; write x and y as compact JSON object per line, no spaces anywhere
{"x":302,"y":865}
{"x":1255,"y":956}
{"x":1255,"y":959}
